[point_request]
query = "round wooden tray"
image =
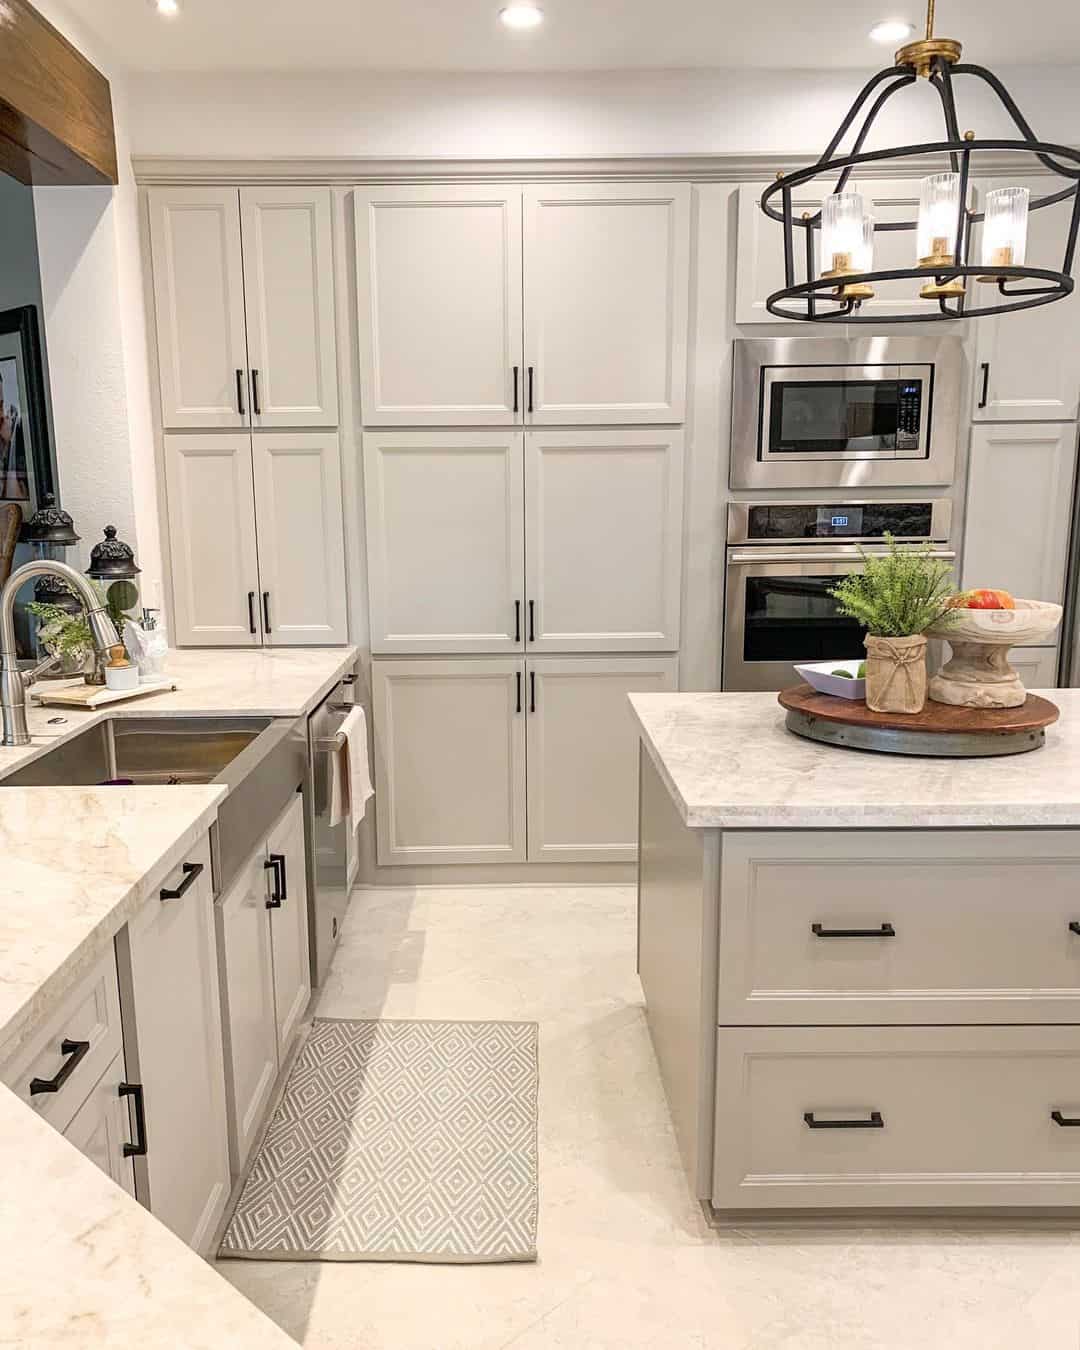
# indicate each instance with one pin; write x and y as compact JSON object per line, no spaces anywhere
{"x":939,"y":730}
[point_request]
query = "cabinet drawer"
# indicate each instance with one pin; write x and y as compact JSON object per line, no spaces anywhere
{"x":959,"y":927}
{"x":89,"y":1017}
{"x":962,"y":1116}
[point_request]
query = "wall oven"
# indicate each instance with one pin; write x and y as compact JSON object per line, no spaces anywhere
{"x":870,"y":412}
{"x":783,"y":558}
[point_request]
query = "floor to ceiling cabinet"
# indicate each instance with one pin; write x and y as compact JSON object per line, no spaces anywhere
{"x":256,"y":541}
{"x":507,"y":305}
{"x":495,"y":759}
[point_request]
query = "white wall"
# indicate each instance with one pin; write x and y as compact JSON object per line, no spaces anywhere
{"x":283,"y":115}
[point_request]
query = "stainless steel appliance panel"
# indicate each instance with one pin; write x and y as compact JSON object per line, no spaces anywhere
{"x":329,"y":847}
{"x":922,"y":448}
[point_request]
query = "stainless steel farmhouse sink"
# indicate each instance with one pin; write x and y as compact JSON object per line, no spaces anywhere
{"x":261,"y":760}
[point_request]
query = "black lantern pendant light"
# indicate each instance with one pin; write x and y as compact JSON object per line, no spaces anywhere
{"x":839,"y":239}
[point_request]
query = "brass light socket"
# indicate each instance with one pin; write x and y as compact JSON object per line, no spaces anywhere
{"x":1001,"y":257}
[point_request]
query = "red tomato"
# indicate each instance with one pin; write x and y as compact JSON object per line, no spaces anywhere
{"x":989,"y":599}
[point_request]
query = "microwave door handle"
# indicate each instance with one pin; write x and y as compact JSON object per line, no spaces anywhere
{"x":742,"y":557}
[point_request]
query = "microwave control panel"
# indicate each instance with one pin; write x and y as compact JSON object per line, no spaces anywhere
{"x":909,"y":415}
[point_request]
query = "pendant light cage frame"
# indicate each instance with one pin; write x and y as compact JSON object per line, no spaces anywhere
{"x":820,"y":299}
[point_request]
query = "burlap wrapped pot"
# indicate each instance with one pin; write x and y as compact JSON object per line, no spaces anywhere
{"x":895,"y":673}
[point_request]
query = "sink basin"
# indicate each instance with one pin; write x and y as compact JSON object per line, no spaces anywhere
{"x":145,"y":751}
{"x":262,"y":761}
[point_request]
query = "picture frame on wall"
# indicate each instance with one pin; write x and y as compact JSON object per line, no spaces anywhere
{"x":27,"y":462}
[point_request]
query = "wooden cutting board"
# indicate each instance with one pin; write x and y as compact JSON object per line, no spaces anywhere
{"x":96,"y":695}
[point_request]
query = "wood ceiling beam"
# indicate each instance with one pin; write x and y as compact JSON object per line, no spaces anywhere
{"x":56,"y":122}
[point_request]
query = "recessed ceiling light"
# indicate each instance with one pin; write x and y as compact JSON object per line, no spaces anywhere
{"x":892,"y":30}
{"x":167,"y":7}
{"x":522,"y":15}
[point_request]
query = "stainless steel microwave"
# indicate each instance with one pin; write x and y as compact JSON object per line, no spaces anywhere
{"x":863,"y":412}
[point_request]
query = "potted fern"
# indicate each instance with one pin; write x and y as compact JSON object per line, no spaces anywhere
{"x":896,"y":598}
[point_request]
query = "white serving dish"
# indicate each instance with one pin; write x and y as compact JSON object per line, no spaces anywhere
{"x":818,"y":675}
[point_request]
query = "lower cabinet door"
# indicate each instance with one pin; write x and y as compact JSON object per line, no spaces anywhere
{"x":449,"y":760}
{"x":583,"y":754}
{"x":289,"y":924}
{"x":897,"y":1117}
{"x":172,"y":1047}
{"x":101,"y":1128}
{"x":247,"y":1002}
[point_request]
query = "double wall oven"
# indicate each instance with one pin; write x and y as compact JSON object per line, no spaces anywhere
{"x":784,"y":558}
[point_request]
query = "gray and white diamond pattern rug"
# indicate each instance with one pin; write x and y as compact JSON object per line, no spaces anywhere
{"x":398,"y":1141}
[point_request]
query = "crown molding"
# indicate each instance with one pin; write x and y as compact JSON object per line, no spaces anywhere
{"x":179,"y":170}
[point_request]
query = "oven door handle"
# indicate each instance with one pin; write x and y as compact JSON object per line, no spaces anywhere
{"x":742,"y":557}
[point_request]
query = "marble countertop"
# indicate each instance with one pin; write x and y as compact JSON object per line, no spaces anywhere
{"x":81,"y":1263}
{"x":729,"y":763}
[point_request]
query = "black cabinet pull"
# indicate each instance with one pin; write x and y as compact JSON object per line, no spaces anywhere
{"x":255,"y":393}
{"x":517,"y":620}
{"x":517,"y":371}
{"x":240,"y":394}
{"x":532,"y":621}
{"x":1074,"y":927}
{"x":1059,"y":1119}
{"x":886,"y":930}
{"x":875,"y":1122}
{"x":530,"y":406}
{"x":279,"y":858}
{"x":266,"y":612}
{"x":271,"y":865}
{"x":138,"y":1148}
{"x":75,"y":1051}
{"x":532,"y":691}
{"x":517,"y":677}
{"x":251,"y":611}
{"x":192,"y":871}
{"x":985,"y":367}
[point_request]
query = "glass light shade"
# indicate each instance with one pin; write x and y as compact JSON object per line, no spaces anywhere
{"x":1004,"y":235}
{"x":842,"y":218}
{"x":939,"y":217}
{"x":864,"y":255}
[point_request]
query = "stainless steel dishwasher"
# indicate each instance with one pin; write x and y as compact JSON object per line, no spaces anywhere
{"x":331,"y":848}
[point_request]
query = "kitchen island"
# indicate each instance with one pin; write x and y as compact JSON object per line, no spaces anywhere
{"x":78,"y":865}
{"x":862,"y":971}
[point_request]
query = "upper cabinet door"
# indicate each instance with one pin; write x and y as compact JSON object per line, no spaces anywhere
{"x":603,"y":540}
{"x":199,"y":307}
{"x":1026,"y":365}
{"x":215,"y":570}
{"x":289,"y":287}
{"x":438,"y":280}
{"x":301,"y":538}
{"x":760,"y":253}
{"x":607,"y":269}
{"x":445,"y":540}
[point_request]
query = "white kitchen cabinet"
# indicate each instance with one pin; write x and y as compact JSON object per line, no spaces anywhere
{"x":1026,"y":367}
{"x":606,"y":269}
{"x":256,"y":539}
{"x":1036,"y":666}
{"x":215,"y":570}
{"x":199,"y":307}
{"x":101,"y":1128}
{"x":604,"y":540}
{"x":583,"y":754}
{"x":760,"y":248}
{"x":289,"y":924}
{"x":449,"y":760}
{"x":173,"y":1050}
{"x":300,"y":533}
{"x":439,"y":304}
{"x":1020,"y":488}
{"x":445,"y":540}
{"x":288,"y":288}
{"x":247,"y":1002}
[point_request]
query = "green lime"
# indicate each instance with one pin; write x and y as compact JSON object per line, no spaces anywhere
{"x":862,"y":671}
{"x":846,"y":674}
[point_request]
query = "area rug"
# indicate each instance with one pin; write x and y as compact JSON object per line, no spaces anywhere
{"x":398,"y":1141}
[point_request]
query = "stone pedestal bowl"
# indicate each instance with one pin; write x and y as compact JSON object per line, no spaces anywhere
{"x":979,"y":674}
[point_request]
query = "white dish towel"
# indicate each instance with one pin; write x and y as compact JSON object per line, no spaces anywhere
{"x":350,"y":771}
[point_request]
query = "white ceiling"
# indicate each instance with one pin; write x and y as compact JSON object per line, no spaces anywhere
{"x":463,"y":35}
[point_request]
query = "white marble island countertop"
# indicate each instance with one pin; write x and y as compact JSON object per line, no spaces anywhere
{"x":729,"y":763}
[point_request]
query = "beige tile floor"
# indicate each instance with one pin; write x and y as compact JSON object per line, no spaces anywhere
{"x":626,"y":1260}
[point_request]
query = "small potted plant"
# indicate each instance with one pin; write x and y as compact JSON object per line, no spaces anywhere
{"x":897,"y":597}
